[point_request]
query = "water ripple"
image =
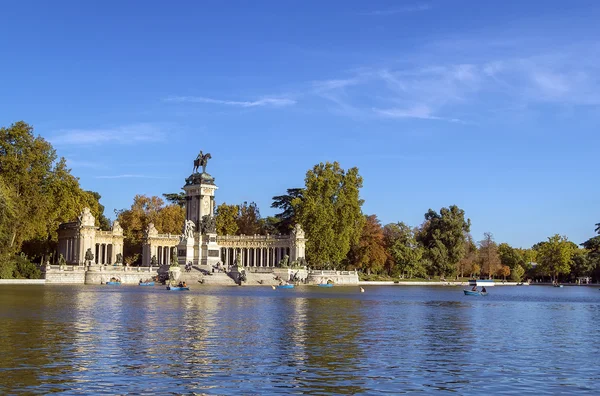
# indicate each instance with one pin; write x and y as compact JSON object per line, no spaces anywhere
{"x":255,"y":341}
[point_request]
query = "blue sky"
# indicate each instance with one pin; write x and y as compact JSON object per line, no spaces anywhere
{"x":492,"y":106}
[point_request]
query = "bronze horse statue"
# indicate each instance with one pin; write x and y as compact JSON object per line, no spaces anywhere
{"x":201,"y":160}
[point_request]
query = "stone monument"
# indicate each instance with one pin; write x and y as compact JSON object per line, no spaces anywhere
{"x":200,"y":208}
{"x":186,"y":243}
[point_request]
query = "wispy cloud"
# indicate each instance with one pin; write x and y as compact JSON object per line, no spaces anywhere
{"x":127,"y":134}
{"x":466,"y":88}
{"x":130,"y":176}
{"x":419,"y":111}
{"x":272,"y":102}
{"x":399,"y":10}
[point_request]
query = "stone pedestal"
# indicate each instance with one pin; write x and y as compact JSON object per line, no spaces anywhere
{"x":186,"y":246}
{"x":210,"y":251}
{"x":174,"y":273}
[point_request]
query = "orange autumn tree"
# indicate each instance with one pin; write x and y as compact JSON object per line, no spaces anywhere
{"x":145,"y":210}
{"x":369,"y":253}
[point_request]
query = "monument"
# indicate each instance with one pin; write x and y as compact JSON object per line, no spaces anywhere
{"x":200,"y":215}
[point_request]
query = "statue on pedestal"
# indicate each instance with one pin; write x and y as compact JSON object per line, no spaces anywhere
{"x":201,"y":160}
{"x":208,"y":224}
{"x":188,"y":229}
{"x":89,"y":256}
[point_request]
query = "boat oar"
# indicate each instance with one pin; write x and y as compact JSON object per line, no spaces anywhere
{"x":362,"y":290}
{"x":273,"y":287}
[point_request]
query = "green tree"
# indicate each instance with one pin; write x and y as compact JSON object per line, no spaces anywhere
{"x":443,"y":236}
{"x":517,"y":273}
{"x":592,"y":246}
{"x":270,"y":225}
{"x":178,"y":199}
{"x":7,"y":217}
{"x":38,"y":190}
{"x":369,"y":253}
{"x":509,"y":256}
{"x":555,"y":256}
{"x":102,"y":221}
{"x":488,"y":255}
{"x":289,"y":205}
{"x":248,"y":219}
{"x":406,"y":252}
{"x":330,"y":213}
{"x":226,"y":219}
{"x":581,"y":265}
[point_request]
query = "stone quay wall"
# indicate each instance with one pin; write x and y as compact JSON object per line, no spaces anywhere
{"x":340,"y":278}
{"x":97,"y":274}
{"x":65,"y":274}
{"x":22,"y":281}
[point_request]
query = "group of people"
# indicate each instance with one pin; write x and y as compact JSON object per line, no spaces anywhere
{"x":482,"y":289}
{"x":182,"y":284}
{"x":146,"y":281}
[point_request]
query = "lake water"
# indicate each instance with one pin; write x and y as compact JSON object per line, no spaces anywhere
{"x":257,"y":341}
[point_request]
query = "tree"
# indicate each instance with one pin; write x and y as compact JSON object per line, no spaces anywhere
{"x":404,"y":250}
{"x":170,"y":219}
{"x":488,"y":255}
{"x":476,"y":269}
{"x":289,"y":204}
{"x":503,"y":271}
{"x":517,"y":273}
{"x":369,"y":253}
{"x":270,"y":225}
{"x":466,"y":263}
{"x":592,"y":246}
{"x":509,"y":256}
{"x":226,"y":219}
{"x":38,"y":190}
{"x":248,"y":219}
{"x":143,"y":211}
{"x":555,"y":256}
{"x":178,"y":199}
{"x":443,"y":236}
{"x":102,"y":221}
{"x":581,"y":265}
{"x":330,"y":213}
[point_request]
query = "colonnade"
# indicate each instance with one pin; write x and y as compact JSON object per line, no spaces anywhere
{"x":255,"y":257}
{"x":104,"y":253}
{"x":70,"y":246}
{"x":164,"y":253}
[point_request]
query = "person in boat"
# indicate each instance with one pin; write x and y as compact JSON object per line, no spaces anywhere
{"x":184,"y":284}
{"x":474,"y":288}
{"x":141,"y":281}
{"x":483,"y":289}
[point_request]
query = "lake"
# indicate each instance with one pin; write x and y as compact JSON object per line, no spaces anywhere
{"x":257,"y":341}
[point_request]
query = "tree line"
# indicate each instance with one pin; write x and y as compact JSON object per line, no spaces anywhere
{"x":38,"y":192}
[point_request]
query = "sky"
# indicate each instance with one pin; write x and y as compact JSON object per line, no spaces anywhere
{"x":491,"y":106}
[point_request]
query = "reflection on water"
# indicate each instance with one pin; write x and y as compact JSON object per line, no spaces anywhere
{"x":111,"y":340}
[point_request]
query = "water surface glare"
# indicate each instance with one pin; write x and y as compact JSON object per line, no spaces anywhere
{"x":256,"y":341}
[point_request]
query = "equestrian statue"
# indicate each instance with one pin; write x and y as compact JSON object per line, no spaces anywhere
{"x":201,"y":160}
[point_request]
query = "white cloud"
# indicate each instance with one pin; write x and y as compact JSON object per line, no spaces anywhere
{"x":273,"y":102}
{"x":128,"y":134}
{"x":417,"y":111}
{"x":466,"y":88}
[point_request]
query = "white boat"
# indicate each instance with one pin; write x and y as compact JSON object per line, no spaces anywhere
{"x":481,"y":282}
